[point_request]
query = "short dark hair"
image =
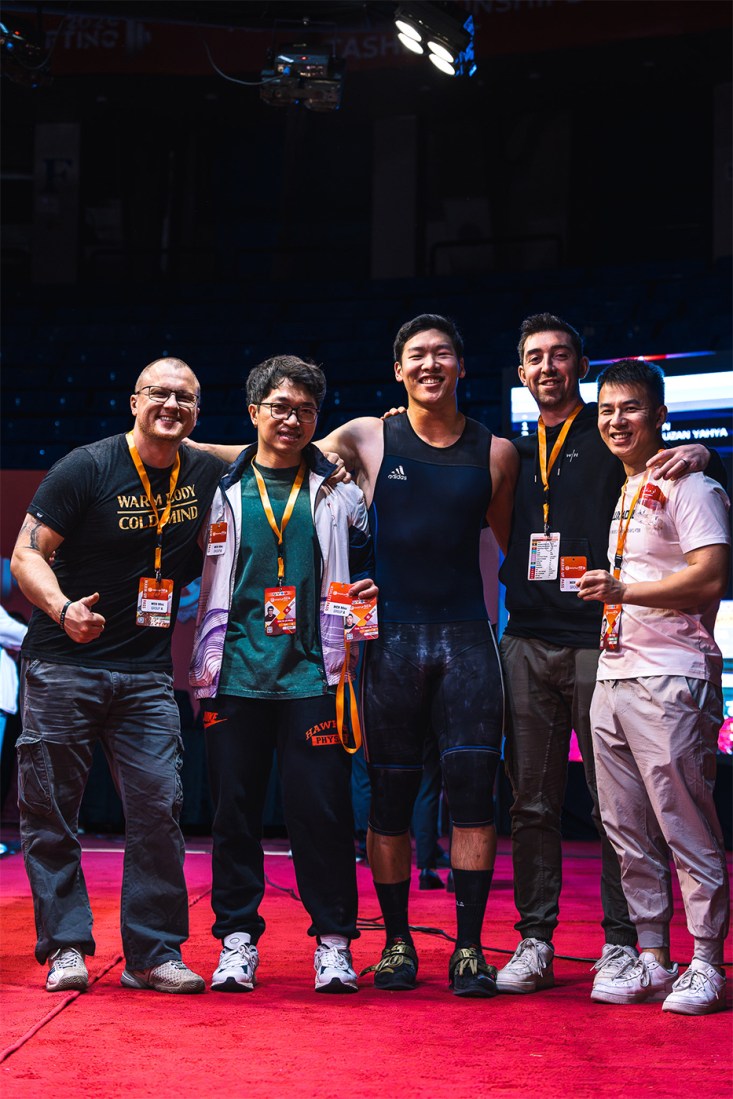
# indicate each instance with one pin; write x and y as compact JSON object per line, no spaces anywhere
{"x":268,"y":375}
{"x":423,"y":323}
{"x":547,"y":322}
{"x":635,"y":372}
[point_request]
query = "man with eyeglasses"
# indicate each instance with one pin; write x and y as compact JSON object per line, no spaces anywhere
{"x":120,"y":518}
{"x":269,"y":682}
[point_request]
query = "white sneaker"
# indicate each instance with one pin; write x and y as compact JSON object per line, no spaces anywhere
{"x":171,"y":976}
{"x":238,"y":963}
{"x":699,"y":991}
{"x":530,"y":968}
{"x":637,"y":981}
{"x":612,"y":959}
{"x":67,"y":971}
{"x":333,"y":965}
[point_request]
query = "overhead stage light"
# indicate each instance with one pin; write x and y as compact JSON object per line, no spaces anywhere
{"x":410,"y":43}
{"x":303,"y":74}
{"x":406,"y":28}
{"x":448,"y":38}
{"x":441,"y":63}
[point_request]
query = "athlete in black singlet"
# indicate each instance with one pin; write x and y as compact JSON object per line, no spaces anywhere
{"x":434,"y":478}
{"x":435,"y":666}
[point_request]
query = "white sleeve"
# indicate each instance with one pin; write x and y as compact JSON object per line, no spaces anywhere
{"x":11,"y":632}
{"x":700,"y":513}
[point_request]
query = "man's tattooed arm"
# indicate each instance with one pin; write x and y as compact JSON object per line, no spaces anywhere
{"x":31,"y":527}
{"x":35,"y":546}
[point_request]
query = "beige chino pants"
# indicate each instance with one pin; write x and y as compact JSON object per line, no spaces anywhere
{"x":655,"y":740}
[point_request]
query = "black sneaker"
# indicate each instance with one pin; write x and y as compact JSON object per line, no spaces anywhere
{"x":429,"y":879}
{"x":397,"y":969}
{"x":469,"y":974}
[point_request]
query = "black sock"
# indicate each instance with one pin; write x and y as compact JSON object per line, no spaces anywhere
{"x":472,"y":893}
{"x":393,"y":898}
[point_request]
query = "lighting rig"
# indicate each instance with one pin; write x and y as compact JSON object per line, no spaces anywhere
{"x":448,"y":39}
{"x":303,"y":74}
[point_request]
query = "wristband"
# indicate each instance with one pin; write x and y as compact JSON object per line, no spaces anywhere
{"x":62,"y":616}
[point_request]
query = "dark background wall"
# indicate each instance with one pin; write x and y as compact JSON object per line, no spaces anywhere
{"x":150,"y":206}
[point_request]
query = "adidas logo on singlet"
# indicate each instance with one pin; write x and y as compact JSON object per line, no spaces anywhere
{"x":397,"y":474}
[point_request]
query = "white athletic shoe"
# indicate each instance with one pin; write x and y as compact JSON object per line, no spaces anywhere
{"x":612,"y":959}
{"x":238,"y":963}
{"x":172,"y":976}
{"x":333,"y":966}
{"x":638,"y":980}
{"x":699,"y":991}
{"x":67,"y":971}
{"x":529,"y":969}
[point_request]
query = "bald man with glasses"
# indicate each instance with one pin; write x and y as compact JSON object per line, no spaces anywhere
{"x":120,"y":518}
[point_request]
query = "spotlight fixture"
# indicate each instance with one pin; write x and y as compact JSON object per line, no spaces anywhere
{"x":448,"y":39}
{"x":303,"y":74}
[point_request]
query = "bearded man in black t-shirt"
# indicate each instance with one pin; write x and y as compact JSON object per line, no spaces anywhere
{"x":120,"y":518}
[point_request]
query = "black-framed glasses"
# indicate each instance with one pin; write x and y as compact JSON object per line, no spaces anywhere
{"x":279,"y":410}
{"x":159,"y":395}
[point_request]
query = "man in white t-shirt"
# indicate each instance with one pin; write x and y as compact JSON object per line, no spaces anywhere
{"x":657,"y":706}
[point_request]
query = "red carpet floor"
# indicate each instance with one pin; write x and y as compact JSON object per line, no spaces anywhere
{"x":282,"y":1040}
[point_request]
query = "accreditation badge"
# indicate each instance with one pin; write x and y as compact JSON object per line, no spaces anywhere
{"x":279,"y":611}
{"x":611,"y":627}
{"x":571,"y":571}
{"x":154,"y":603}
{"x":338,"y":600}
{"x":217,"y":539}
{"x":544,"y":555}
{"x":361,"y":623}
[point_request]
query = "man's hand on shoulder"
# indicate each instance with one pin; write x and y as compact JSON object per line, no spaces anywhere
{"x":340,"y":475}
{"x":679,"y":461}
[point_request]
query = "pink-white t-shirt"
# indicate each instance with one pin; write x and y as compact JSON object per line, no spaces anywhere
{"x":671,"y":519}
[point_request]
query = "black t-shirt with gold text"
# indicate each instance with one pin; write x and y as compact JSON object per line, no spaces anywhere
{"x":94,"y":498}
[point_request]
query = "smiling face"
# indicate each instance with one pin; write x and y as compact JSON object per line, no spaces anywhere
{"x":630,"y":422}
{"x":551,"y":369}
{"x":280,"y":441}
{"x":429,"y":368}
{"x":163,"y":426}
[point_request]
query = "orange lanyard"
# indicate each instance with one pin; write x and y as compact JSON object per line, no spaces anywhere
{"x":279,"y":531}
{"x":160,"y":520}
{"x":353,"y":707}
{"x":623,"y":530}
{"x":545,"y":466}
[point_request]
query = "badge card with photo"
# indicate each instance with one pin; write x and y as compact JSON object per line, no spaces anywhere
{"x":279,"y":611}
{"x":361,"y":623}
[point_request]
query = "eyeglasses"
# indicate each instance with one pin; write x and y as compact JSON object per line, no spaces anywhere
{"x":160,"y":396}
{"x":305,"y":414}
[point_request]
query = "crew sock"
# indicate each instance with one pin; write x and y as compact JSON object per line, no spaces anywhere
{"x":393,"y":897}
{"x":472,"y":893}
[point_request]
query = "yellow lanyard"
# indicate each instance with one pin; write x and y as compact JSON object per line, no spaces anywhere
{"x":623,"y":530}
{"x":353,"y":707}
{"x":279,"y":531}
{"x":160,"y":520}
{"x":545,"y":466}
